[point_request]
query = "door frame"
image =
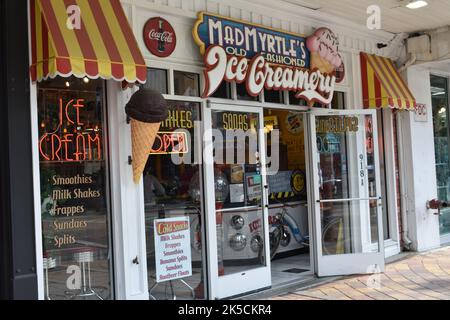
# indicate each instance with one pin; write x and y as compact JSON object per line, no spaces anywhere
{"x":346,"y":263}
{"x":255,"y":279}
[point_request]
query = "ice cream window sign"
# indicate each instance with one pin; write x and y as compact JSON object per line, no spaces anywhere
{"x":71,"y":136}
{"x":267,"y":59}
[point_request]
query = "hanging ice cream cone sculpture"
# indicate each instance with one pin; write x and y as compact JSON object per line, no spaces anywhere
{"x":147,"y":108}
{"x":143,"y":137}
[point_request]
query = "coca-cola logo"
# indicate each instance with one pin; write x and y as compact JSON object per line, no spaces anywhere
{"x":165,"y":36}
{"x":159,"y":37}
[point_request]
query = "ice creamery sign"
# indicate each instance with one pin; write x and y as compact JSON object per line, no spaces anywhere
{"x":264,"y":58}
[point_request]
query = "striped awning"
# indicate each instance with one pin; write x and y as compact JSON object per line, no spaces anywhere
{"x":383,"y":87}
{"x":103,"y":46}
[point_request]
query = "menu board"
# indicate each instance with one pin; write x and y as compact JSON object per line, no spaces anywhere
{"x":172,"y":249}
{"x":74,"y":209}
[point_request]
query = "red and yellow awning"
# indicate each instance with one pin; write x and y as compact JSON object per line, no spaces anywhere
{"x":383,"y":86}
{"x":103,"y":47}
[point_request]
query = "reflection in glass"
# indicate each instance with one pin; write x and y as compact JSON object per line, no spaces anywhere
{"x":157,"y":80}
{"x":186,"y":84}
{"x":174,"y":190}
{"x":370,"y":152}
{"x":338,"y":102}
{"x":293,"y":100}
{"x":383,"y":178}
{"x":238,"y":192}
{"x":347,"y":180}
{"x":223,"y":91}
{"x":274,"y":96}
{"x":74,"y":189}
{"x":242,"y":93}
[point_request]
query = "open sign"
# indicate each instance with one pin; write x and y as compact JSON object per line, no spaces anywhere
{"x":170,"y":143}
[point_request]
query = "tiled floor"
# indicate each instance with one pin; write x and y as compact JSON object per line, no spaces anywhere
{"x":418,"y":277}
{"x":279,"y":267}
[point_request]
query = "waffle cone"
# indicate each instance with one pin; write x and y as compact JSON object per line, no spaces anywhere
{"x":143,"y":137}
{"x":320,"y":63}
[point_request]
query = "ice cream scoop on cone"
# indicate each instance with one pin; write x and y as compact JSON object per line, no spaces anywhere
{"x":147,"y":109}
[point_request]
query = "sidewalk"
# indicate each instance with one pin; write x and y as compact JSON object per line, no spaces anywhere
{"x":423,"y":276}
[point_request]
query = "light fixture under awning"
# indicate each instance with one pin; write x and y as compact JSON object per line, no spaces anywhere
{"x":382,"y":85}
{"x":103,"y":46}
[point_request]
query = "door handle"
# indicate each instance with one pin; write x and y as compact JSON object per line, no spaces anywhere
{"x":136,"y":260}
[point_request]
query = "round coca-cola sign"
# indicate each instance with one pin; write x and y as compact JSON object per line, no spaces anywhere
{"x":160,"y":37}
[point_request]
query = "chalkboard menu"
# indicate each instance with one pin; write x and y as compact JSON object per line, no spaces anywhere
{"x":74,"y":189}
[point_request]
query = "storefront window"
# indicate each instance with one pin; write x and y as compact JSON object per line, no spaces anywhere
{"x":274,"y":96}
{"x":242,"y":93}
{"x":384,"y":193}
{"x":439,"y":93}
{"x":340,"y":214}
{"x":157,"y":80}
{"x":337,"y":103}
{"x":223,"y":92}
{"x":293,"y":100}
{"x":186,"y":84}
{"x":74,"y":189}
{"x":238,"y":192}
{"x":173,"y":191}
{"x":370,"y":154}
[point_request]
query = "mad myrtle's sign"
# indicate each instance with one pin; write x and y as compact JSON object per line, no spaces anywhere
{"x":265,"y":58}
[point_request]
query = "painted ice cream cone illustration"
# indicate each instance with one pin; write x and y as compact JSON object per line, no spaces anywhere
{"x":317,"y":62}
{"x":147,"y":108}
{"x":324,"y":48}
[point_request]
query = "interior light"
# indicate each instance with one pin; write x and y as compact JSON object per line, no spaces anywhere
{"x":443,"y":110}
{"x":416,"y":4}
{"x":86,"y":80}
{"x":67,"y":84}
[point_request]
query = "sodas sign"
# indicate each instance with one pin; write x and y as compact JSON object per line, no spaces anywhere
{"x":159,"y":37}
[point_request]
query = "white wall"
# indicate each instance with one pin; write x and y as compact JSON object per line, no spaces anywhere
{"x":417,"y":145}
{"x":276,"y":14}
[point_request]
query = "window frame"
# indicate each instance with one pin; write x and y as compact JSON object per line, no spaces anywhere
{"x":445,"y":238}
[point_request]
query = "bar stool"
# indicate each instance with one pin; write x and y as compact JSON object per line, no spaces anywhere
{"x":84,"y":258}
{"x":49,"y":263}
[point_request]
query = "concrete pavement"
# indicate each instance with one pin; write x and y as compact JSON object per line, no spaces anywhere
{"x":424,"y":276}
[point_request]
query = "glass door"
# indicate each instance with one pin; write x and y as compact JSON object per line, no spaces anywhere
{"x":345,"y":192}
{"x":236,"y":193}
